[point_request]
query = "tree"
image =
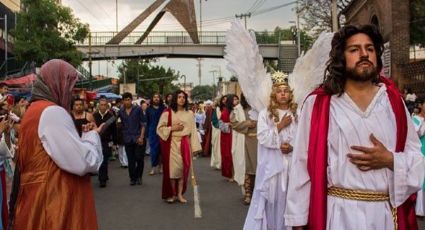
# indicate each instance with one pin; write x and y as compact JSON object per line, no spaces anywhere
{"x":149,"y":79}
{"x":417,"y":23}
{"x":317,"y":15}
{"x":46,"y":30}
{"x":202,"y":92}
{"x":280,"y":34}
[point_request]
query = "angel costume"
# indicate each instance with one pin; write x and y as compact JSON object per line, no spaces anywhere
{"x":328,"y":127}
{"x":269,"y":199}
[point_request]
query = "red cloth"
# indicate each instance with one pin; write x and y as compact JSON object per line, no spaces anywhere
{"x":4,"y":212}
{"x":226,"y":147}
{"x":206,"y":142}
{"x":168,"y":190}
{"x":318,"y":157}
{"x":25,"y":80}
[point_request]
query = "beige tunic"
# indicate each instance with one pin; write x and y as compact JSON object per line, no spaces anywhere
{"x":250,"y":142}
{"x":163,"y":131}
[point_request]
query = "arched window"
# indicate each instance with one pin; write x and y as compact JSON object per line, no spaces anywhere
{"x":375,"y":21}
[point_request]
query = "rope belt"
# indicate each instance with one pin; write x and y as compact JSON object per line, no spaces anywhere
{"x":362,"y":195}
{"x":251,"y":134}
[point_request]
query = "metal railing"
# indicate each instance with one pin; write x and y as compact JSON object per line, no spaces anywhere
{"x":175,"y":38}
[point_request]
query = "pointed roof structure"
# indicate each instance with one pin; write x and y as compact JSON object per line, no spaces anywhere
{"x":182,"y":10}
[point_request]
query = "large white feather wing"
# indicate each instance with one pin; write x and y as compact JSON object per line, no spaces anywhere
{"x":310,"y":68}
{"x":245,"y":62}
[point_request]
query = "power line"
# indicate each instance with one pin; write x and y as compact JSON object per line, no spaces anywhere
{"x":259,"y":6}
{"x":88,"y":10}
{"x":253,"y":5}
{"x":101,"y":7}
{"x":273,"y":8}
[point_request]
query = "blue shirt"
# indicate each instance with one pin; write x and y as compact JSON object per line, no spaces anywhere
{"x":132,"y":124}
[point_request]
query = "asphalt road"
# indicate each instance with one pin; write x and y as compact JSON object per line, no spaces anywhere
{"x":125,"y":207}
{"x":121,"y":206}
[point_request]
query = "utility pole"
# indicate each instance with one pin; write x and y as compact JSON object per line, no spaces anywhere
{"x":199,"y":70}
{"x":116,"y":16}
{"x":200,"y":20}
{"x":214,"y":86}
{"x":244,"y":16}
{"x":90,"y":64}
{"x":298,"y":31}
{"x":334,"y":16}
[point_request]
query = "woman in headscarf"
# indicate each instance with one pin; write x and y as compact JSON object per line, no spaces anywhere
{"x":52,"y":188}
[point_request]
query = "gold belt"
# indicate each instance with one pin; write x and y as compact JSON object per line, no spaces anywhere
{"x":362,"y":195}
{"x":251,"y":134}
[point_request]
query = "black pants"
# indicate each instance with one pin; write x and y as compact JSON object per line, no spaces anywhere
{"x":103,"y":170}
{"x":135,"y":154}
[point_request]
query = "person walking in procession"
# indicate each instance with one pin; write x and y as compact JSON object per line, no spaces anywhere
{"x":153,"y":113}
{"x":133,"y":130}
{"x":276,"y":129}
{"x":357,"y":158}
{"x":179,"y":141}
{"x":52,"y":186}
{"x":108,"y":138}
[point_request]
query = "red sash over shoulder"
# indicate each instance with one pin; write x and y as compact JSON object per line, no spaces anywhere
{"x":168,"y":190}
{"x":318,"y":158}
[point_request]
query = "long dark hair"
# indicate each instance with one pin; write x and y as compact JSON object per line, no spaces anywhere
{"x":335,"y":72}
{"x":229,"y":103}
{"x":174,"y":100}
{"x":244,"y":103}
{"x":221,"y":104}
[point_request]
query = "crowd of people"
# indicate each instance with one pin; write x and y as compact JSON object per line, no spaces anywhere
{"x":349,"y":157}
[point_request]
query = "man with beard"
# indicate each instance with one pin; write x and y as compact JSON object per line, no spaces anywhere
{"x":153,"y":113}
{"x":357,"y":158}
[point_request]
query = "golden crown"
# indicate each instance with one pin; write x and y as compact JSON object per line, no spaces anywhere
{"x":279,"y":78}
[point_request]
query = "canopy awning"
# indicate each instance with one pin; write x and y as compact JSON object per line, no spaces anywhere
{"x":25,"y":80}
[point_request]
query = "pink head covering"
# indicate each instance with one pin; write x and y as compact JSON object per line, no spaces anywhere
{"x":60,"y":77}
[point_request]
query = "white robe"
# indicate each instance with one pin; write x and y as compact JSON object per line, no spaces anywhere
{"x":269,"y":198}
{"x":420,"y":201}
{"x":62,"y":143}
{"x":215,"y":144}
{"x":350,"y":126}
{"x":238,"y":147}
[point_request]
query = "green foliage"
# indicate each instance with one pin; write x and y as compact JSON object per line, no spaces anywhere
{"x":290,"y":34}
{"x":162,"y":78}
{"x":203,"y":92}
{"x":417,"y":23}
{"x":316,"y":16}
{"x":46,"y":30}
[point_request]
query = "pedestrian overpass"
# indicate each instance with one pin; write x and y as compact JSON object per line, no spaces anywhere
{"x":178,"y":44}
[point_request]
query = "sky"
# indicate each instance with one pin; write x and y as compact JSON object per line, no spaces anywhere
{"x":216,"y":16}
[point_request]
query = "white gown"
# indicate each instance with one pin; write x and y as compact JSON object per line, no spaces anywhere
{"x":269,"y":198}
{"x":420,"y":201}
{"x":215,"y":145}
{"x":238,"y":147}
{"x":350,"y":126}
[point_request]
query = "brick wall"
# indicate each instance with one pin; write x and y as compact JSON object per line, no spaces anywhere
{"x":399,"y":39}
